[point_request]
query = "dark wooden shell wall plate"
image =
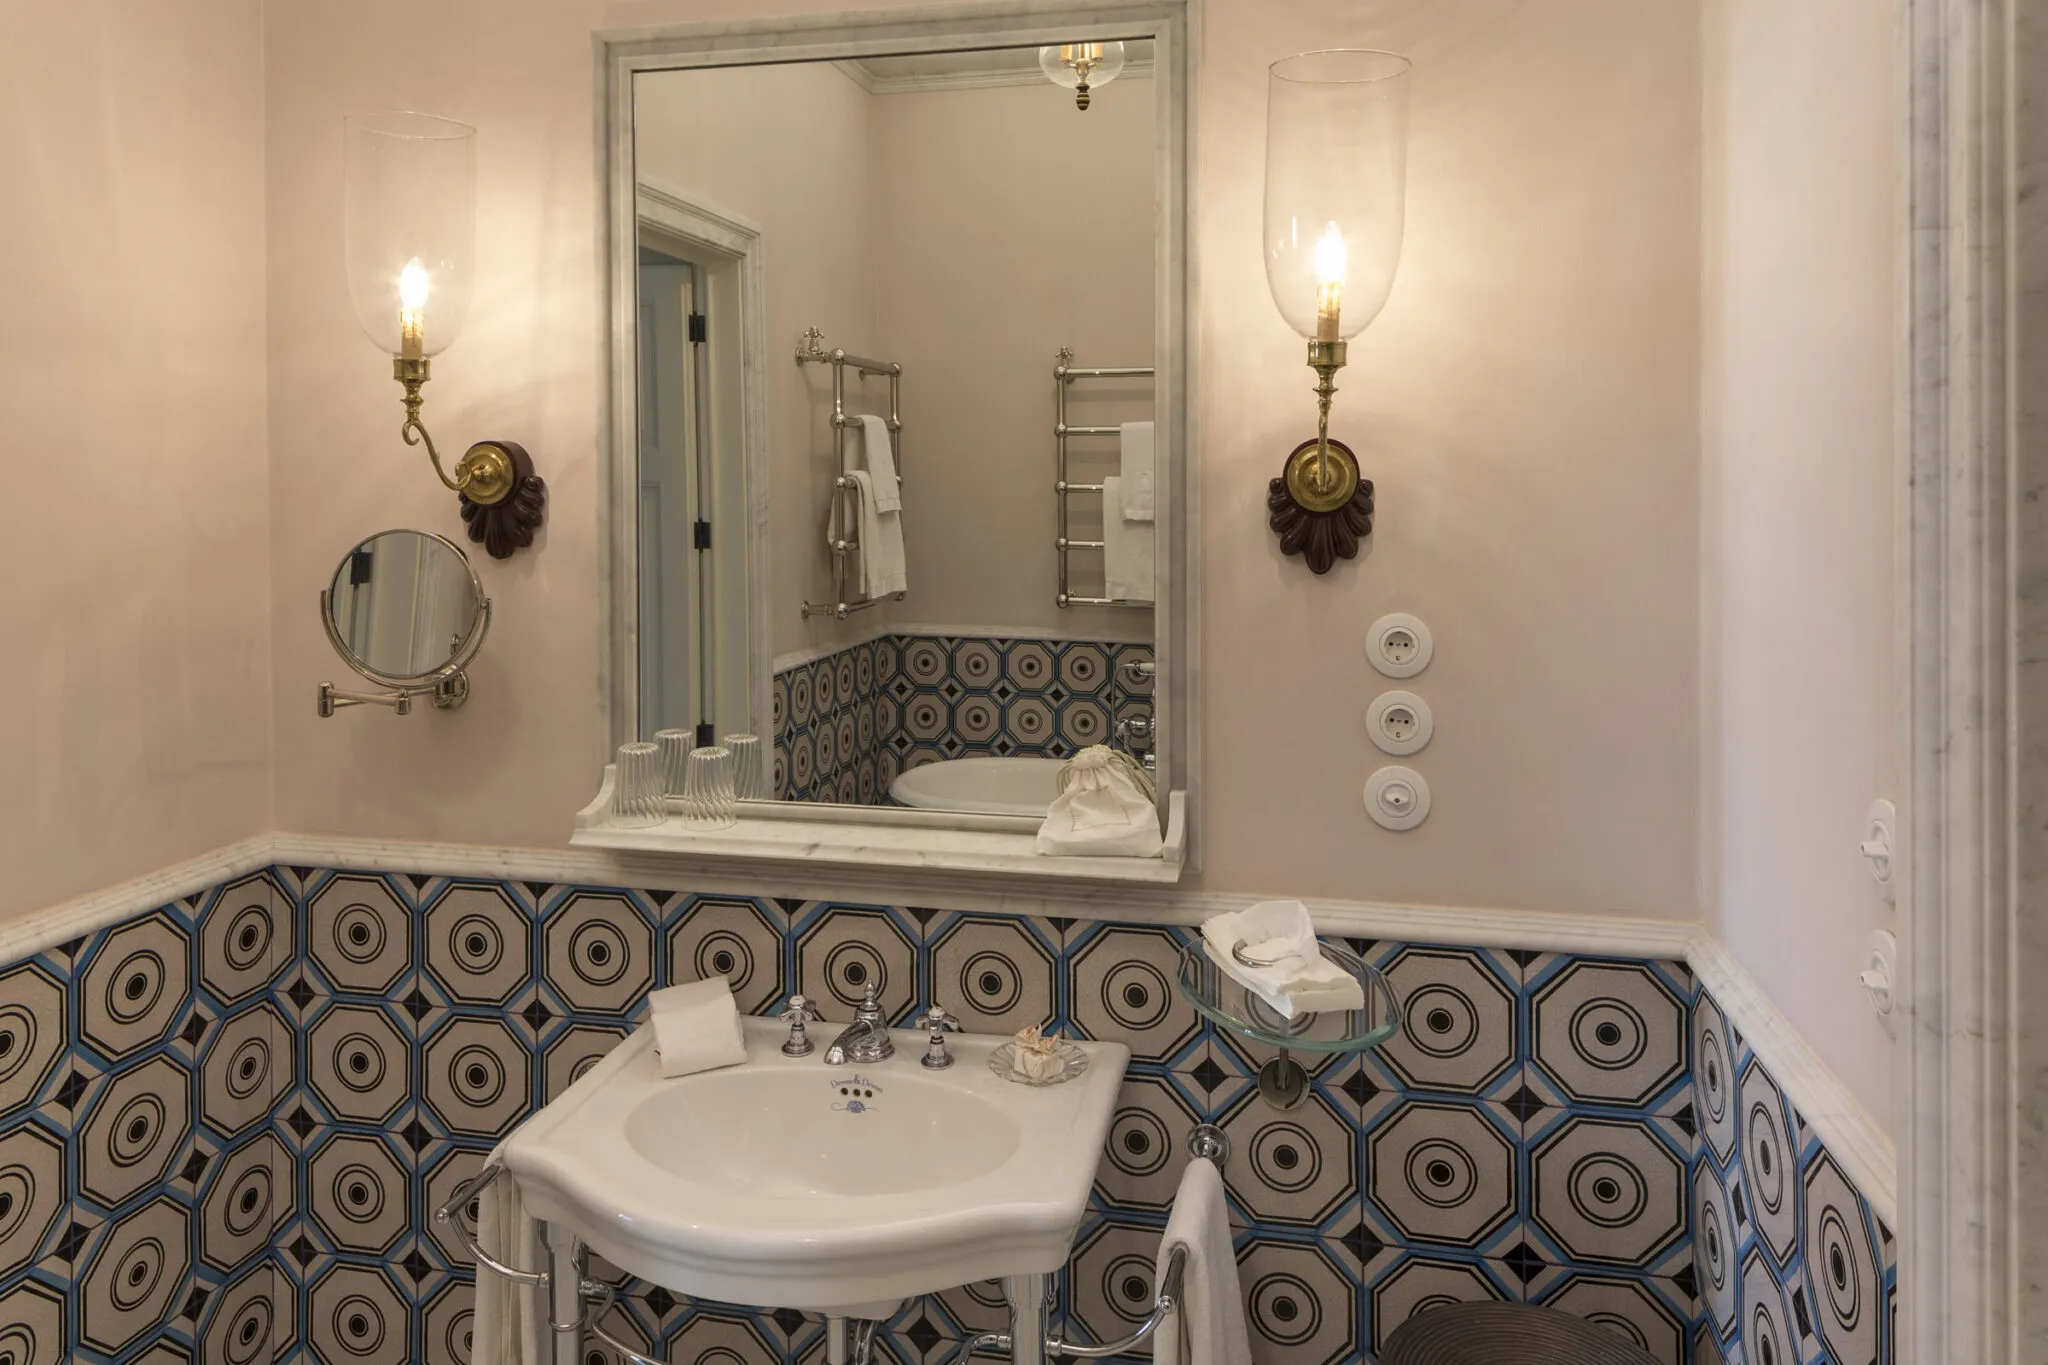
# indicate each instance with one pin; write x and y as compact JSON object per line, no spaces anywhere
{"x":508,"y":525}
{"x":1320,"y":538}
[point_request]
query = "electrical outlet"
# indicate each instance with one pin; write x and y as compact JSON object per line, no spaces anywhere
{"x":1398,"y":645}
{"x":1399,"y":723}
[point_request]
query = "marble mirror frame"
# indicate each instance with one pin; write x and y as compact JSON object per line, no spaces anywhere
{"x":1973,"y":1055}
{"x":884,"y":832}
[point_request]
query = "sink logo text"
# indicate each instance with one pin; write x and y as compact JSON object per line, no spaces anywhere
{"x":856,"y":1094}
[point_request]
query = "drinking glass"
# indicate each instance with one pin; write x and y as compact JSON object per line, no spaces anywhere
{"x":675,"y":758}
{"x":747,"y":782}
{"x":708,"y":789}
{"x":636,"y":788}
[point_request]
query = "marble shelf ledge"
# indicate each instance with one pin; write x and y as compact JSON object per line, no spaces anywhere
{"x":856,"y":836}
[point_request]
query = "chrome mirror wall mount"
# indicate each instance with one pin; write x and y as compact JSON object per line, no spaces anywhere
{"x":429,"y":584}
{"x":411,"y":234}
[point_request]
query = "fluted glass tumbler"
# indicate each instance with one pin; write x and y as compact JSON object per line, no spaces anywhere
{"x":636,"y":786}
{"x":675,"y":758}
{"x":708,"y":789}
{"x":747,"y":781}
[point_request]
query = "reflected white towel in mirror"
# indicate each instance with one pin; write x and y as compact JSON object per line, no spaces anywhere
{"x":882,"y":567}
{"x":878,"y":451}
{"x":1136,"y":449}
{"x":1126,"y":548}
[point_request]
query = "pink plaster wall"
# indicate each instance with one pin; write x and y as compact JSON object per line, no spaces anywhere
{"x":134,"y":541}
{"x":1800,"y":382}
{"x":1527,"y":404}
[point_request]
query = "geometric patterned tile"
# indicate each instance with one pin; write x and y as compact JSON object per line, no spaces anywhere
{"x":1605,"y":1033}
{"x":1460,"y":1030}
{"x":279,"y":1080}
{"x":1606,"y":1190}
{"x":1300,"y":1304}
{"x":846,"y":724}
{"x":1654,"y":1315}
{"x":1417,"y":1282}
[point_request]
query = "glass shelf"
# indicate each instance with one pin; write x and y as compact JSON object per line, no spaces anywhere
{"x":1217,"y":996}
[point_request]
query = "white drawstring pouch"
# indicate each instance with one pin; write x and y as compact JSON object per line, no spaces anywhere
{"x":1104,"y":809}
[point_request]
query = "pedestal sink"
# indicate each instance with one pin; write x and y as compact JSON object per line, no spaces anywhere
{"x":785,"y":1183}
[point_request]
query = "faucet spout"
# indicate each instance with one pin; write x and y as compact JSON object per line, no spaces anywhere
{"x":863,"y":1043}
{"x":866,"y":1040}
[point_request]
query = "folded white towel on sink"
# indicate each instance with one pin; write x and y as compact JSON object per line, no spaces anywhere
{"x":696,"y":1027}
{"x":1207,"y":1326}
{"x":1295,"y":977}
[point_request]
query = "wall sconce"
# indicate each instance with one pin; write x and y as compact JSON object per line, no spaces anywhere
{"x":1081,"y":67}
{"x":1336,"y":175}
{"x":411,"y":248}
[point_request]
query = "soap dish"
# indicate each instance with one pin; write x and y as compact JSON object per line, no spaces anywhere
{"x":1073,"y":1061}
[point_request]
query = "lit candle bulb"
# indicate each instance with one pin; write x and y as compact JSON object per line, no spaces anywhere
{"x":1329,"y":282}
{"x":412,"y":310}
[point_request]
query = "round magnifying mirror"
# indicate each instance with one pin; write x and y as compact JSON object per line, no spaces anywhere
{"x":406,"y":608}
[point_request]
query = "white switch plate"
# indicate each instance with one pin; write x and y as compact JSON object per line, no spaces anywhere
{"x":1880,"y":839}
{"x":1397,"y":798}
{"x":1880,"y":976}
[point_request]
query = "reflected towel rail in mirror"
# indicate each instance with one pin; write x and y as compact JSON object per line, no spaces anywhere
{"x":1065,"y":372}
{"x":845,"y":535}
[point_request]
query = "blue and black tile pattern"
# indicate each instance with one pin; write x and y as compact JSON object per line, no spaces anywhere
{"x":847,"y":724}
{"x":1794,"y":1265}
{"x":224,"y":1125}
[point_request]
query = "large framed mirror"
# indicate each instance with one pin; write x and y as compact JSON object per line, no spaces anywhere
{"x":899,"y":404}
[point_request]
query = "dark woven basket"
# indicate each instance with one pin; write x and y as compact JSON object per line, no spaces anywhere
{"x":1507,"y":1334}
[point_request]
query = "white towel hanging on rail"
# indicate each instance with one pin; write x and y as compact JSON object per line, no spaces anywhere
{"x":1135,"y":448}
{"x":882,"y":567}
{"x":1208,"y":1325}
{"x":1127,"y":553}
{"x":879,"y":453}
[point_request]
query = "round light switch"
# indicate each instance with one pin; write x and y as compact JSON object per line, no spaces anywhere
{"x":1397,"y":798}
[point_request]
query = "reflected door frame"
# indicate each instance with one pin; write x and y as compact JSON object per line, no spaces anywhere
{"x":725,"y":251}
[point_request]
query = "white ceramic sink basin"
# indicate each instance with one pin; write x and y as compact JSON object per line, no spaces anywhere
{"x":786,"y":1183}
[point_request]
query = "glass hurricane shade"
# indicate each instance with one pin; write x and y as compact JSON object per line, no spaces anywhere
{"x":410,"y":227}
{"x":1062,"y":63}
{"x":1336,"y":175}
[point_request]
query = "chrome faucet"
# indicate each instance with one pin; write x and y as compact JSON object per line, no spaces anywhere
{"x":866,"y":1040}
{"x":1135,"y":734}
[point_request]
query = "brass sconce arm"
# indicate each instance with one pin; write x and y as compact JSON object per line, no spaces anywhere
{"x":503,"y":500}
{"x":1320,"y":506}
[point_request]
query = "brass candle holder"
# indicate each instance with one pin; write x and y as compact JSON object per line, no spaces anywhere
{"x":1336,"y":175}
{"x":503,"y":501}
{"x":1320,"y":506}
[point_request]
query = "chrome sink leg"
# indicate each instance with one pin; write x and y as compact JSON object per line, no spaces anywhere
{"x":850,"y":1341}
{"x":1026,"y":1294}
{"x":565,"y":1293}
